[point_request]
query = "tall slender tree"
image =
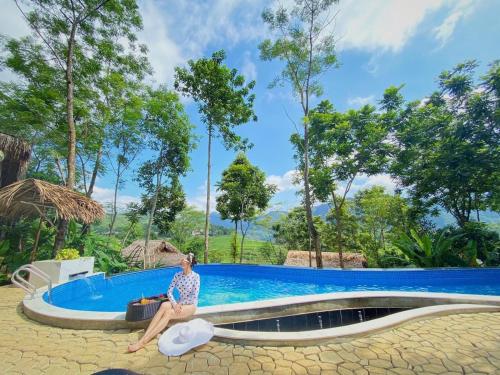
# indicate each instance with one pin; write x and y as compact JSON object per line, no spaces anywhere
{"x":305,"y":43}
{"x":224,"y":101}
{"x":169,"y":136}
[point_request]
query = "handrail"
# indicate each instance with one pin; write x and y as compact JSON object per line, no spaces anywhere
{"x":26,"y":285}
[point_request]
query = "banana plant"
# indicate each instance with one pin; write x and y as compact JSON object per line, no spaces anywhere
{"x":424,"y":251}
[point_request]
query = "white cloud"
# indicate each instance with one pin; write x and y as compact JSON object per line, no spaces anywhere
{"x":164,"y":53}
{"x":105,"y":197}
{"x":363,"y":182}
{"x":381,"y":25}
{"x":199,"y":200}
{"x":462,"y":9}
{"x":360,"y":101}
{"x":249,"y":69}
{"x":284,"y":182}
{"x":182,"y":30}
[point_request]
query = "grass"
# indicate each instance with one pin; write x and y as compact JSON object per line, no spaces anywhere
{"x":220,"y":251}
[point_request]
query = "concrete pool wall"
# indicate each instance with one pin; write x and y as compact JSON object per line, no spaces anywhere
{"x":421,"y":304}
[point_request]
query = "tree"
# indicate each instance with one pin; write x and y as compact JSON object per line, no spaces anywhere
{"x":448,"y":145}
{"x":344,"y":146}
{"x":306,"y":46}
{"x":243,"y":194}
{"x":133,"y":214}
{"x":126,"y":141}
{"x":168,"y":134}
{"x":69,"y":38}
{"x":188,"y":223}
{"x":380,"y":214}
{"x":292,"y":231}
{"x":224,"y":101}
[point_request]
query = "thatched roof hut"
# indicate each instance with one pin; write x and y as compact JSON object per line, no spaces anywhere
{"x":163,"y":253}
{"x":330,"y":260}
{"x":16,"y":154}
{"x":33,"y":198}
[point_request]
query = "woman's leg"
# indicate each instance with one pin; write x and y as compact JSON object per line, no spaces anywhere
{"x":165,"y":309}
{"x":186,"y":311}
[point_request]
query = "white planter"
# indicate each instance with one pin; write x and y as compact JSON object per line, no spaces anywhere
{"x":63,"y":270}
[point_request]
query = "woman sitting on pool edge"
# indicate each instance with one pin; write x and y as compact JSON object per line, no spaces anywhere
{"x":188,"y":283}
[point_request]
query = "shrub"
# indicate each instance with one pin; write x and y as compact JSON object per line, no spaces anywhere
{"x":68,"y":254}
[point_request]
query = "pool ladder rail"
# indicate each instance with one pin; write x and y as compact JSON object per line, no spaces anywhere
{"x":22,"y":283}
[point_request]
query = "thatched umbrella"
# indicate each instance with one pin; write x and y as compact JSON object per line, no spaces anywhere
{"x":15,"y":155}
{"x":34,"y":198}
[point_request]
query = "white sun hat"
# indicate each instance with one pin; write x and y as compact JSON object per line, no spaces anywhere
{"x":182,"y":337}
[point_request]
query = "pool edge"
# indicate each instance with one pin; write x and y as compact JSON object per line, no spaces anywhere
{"x":39,"y":310}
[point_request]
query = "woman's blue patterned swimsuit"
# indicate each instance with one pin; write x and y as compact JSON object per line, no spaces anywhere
{"x":188,"y":286}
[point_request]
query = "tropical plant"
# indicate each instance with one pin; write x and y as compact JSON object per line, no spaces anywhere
{"x":107,"y":254}
{"x":425,"y":251}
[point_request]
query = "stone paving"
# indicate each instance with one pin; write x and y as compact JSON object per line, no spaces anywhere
{"x":455,"y":344}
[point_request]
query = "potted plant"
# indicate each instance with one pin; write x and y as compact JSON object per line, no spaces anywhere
{"x":67,"y":265}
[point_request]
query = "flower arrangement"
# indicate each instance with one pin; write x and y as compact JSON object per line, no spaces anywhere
{"x":68,"y":254}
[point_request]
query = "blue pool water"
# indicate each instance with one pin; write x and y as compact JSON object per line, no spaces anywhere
{"x":222,"y":284}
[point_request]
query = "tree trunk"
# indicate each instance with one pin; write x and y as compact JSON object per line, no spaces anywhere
{"x":235,"y":243}
{"x":151,"y":215}
{"x":90,"y":191}
{"x":338,"y":213}
{"x":70,"y":180}
{"x":207,"y":212}
{"x":115,"y":197}
{"x":37,"y":240}
{"x":243,"y":234}
{"x":313,"y":233}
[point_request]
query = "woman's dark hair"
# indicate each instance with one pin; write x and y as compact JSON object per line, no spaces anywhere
{"x":192,"y":259}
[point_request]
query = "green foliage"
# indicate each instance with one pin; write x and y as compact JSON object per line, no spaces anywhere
{"x":349,"y":229}
{"x":486,"y":246}
{"x":304,"y":47}
{"x":243,"y":191}
{"x":381,"y":216}
{"x":273,"y":253}
{"x":224,"y":100}
{"x":170,"y":201}
{"x":188,"y":223}
{"x":107,"y":254}
{"x":448,"y":150}
{"x":67,"y":254}
{"x":196,"y":246}
{"x":234,"y":246}
{"x":291,"y":230}
{"x":168,"y":134}
{"x":425,"y":251}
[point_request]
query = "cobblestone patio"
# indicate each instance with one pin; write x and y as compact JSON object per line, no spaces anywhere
{"x":456,"y":344}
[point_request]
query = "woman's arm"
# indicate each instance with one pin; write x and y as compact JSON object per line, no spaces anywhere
{"x":170,"y":291}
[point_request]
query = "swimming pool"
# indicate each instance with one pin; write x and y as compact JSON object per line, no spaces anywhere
{"x":229,"y":284}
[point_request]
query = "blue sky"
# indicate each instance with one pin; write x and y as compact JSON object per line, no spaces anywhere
{"x":380,"y":43}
